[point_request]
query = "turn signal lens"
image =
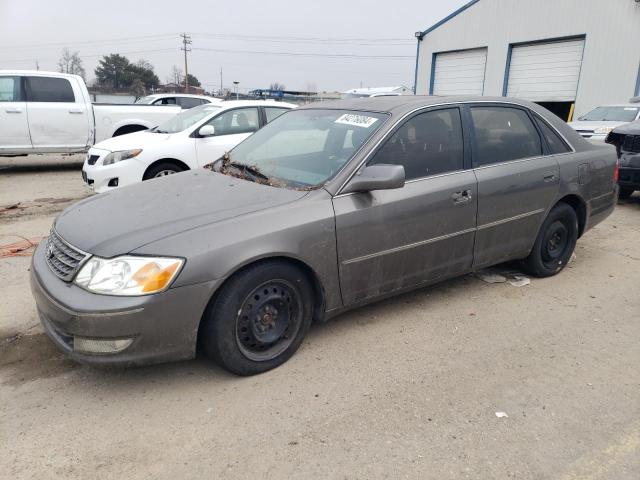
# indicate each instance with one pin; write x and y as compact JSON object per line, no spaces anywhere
{"x":616,"y":173}
{"x":152,"y":277}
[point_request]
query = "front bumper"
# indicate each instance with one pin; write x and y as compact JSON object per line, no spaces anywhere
{"x":164,"y":327}
{"x":629,"y":177}
{"x":102,"y":178}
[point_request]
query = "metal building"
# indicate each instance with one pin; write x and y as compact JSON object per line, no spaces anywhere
{"x":567,"y":55}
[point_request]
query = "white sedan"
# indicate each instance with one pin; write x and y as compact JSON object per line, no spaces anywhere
{"x":189,"y":140}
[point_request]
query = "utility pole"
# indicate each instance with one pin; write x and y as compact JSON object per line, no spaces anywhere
{"x":37,"y":65}
{"x":186,"y":41}
{"x":220,"y":79}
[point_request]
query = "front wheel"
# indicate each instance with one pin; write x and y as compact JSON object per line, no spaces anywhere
{"x":258,"y":319}
{"x":555,"y":242}
{"x":161,"y":169}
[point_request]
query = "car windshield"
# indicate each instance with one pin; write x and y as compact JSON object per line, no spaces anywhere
{"x":145,"y":100}
{"x":614,"y":114}
{"x":186,"y":119}
{"x":303,"y":148}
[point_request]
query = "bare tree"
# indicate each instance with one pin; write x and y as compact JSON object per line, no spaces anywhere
{"x":71,"y":63}
{"x":276,"y":86}
{"x":312,"y":87}
{"x":177,"y":76}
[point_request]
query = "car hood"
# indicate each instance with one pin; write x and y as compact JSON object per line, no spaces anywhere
{"x":118,"y":222}
{"x":592,"y":125}
{"x":133,"y":140}
{"x":632,"y":128}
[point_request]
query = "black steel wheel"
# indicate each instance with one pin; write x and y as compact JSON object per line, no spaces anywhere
{"x":555,"y":243}
{"x":625,"y":192}
{"x":259,"y":318}
{"x":268,"y":320}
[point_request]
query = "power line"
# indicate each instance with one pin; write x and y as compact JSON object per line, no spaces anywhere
{"x":306,"y":54}
{"x":144,"y":38}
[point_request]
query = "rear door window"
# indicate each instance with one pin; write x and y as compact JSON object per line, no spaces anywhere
{"x":165,"y":101}
{"x":10,"y":89}
{"x":49,"y":89}
{"x":503,"y":134}
{"x":556,"y":144}
{"x":427,"y":144}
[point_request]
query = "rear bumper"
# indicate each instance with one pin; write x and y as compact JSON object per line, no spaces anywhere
{"x":163,"y":327}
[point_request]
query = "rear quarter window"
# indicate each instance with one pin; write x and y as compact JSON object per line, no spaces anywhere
{"x":554,"y":141}
{"x":48,"y":89}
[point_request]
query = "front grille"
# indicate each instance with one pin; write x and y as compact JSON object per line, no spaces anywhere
{"x":631,"y":144}
{"x":62,"y":258}
{"x":92,"y":159}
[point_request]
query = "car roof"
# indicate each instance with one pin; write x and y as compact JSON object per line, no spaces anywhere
{"x":165,"y":95}
{"x":400,"y":104}
{"x":254,"y":103}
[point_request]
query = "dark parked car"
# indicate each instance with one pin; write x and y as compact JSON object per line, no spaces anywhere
{"x":324,"y":209}
{"x":626,"y":139}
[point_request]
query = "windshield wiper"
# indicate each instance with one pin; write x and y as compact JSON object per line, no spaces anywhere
{"x":251,"y":169}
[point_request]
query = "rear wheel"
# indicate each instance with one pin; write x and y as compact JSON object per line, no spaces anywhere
{"x":259,"y":318}
{"x":555,"y":242}
{"x":625,"y":193}
{"x":161,"y":169}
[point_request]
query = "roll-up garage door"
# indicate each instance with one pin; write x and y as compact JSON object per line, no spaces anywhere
{"x":459,"y":73}
{"x":545,"y":72}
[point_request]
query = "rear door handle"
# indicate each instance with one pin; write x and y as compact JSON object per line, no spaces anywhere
{"x":549,"y":176}
{"x":76,"y":110}
{"x":463,"y":196}
{"x":13,"y":110}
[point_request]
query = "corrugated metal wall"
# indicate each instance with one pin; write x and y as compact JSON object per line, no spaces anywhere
{"x":609,"y":69}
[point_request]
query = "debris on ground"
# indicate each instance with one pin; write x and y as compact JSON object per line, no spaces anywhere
{"x":491,"y":277}
{"x":513,"y":277}
{"x":519,"y":281}
{"x":21,"y":248}
{"x":502,"y":415}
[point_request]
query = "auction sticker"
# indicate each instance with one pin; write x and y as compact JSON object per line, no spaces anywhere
{"x":356,"y":120}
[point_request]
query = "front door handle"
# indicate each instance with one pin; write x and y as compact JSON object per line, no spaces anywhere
{"x":13,"y":110}
{"x":463,"y":196}
{"x":76,"y":110}
{"x":549,"y":177}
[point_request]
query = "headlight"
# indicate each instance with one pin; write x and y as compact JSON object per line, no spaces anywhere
{"x":114,"y":157}
{"x":602,"y":130}
{"x":128,"y":275}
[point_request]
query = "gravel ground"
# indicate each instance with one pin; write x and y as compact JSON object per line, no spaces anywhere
{"x":405,"y":388}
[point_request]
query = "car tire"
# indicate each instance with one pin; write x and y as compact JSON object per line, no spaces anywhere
{"x":625,"y":193}
{"x":555,"y":242}
{"x":161,"y":169}
{"x":258,"y":319}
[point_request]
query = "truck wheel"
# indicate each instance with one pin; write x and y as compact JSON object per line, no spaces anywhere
{"x":555,"y":242}
{"x":625,"y":193}
{"x":258,"y":319}
{"x":160,"y":170}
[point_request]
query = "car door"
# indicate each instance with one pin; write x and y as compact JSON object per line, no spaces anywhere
{"x":14,"y":125}
{"x":58,"y":113}
{"x":517,"y":182}
{"x":392,"y":239}
{"x":231,"y":127}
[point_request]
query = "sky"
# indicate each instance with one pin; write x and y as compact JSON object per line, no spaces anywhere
{"x":330,"y":45}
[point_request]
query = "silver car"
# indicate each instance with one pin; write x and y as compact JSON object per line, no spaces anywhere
{"x":324,"y":209}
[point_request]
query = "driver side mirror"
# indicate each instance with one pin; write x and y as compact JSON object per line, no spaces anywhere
{"x":376,"y":177}
{"x":207,"y":131}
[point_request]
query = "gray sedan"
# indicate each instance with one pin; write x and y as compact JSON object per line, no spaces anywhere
{"x":324,"y":209}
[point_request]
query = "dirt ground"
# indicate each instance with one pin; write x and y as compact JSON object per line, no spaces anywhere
{"x":412,"y":387}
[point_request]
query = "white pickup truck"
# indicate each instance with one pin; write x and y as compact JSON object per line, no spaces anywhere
{"x":48,"y":112}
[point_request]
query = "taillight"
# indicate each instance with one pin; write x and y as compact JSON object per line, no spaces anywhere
{"x":616,"y":173}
